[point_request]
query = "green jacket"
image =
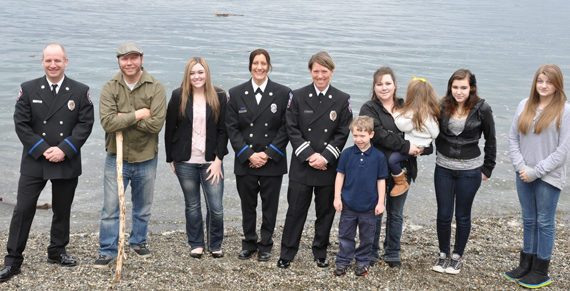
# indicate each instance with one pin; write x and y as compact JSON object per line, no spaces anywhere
{"x":140,"y":138}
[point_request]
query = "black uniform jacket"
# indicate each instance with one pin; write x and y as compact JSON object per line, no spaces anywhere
{"x":258,"y":128}
{"x":178,"y":132}
{"x":43,"y":121}
{"x":317,"y":127}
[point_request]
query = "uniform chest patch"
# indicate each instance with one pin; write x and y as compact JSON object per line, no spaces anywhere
{"x":273,"y":108}
{"x":242,"y":110}
{"x":333,"y":115}
{"x":71,"y":105}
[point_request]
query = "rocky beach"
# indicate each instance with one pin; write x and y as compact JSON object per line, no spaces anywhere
{"x":492,"y":249}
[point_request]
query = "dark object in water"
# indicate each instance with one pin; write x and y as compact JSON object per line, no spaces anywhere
{"x":227,"y":14}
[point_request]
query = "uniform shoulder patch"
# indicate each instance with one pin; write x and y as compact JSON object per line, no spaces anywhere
{"x":89,"y":96}
{"x":290,"y":99}
{"x":19,"y":94}
{"x":349,"y":108}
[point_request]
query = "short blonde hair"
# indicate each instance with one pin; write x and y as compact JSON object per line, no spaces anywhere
{"x":362,"y":123}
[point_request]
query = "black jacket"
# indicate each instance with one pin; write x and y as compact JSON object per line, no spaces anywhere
{"x":42,"y":121}
{"x":388,"y":138}
{"x":258,"y":128}
{"x":466,"y":144}
{"x":317,"y":127}
{"x":178,"y":132}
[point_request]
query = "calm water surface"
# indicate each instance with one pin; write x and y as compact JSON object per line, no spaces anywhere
{"x":502,"y":42}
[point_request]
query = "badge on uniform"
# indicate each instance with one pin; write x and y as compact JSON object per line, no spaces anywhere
{"x":332,"y":115}
{"x":71,"y":105}
{"x":273,"y":108}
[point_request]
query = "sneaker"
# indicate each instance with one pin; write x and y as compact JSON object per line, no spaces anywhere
{"x":340,"y":270}
{"x":102,"y":262}
{"x":455,"y":263}
{"x":441,"y":264}
{"x":361,"y":270}
{"x":141,"y":250}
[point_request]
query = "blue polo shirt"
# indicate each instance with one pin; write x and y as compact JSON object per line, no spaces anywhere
{"x":362,"y":170}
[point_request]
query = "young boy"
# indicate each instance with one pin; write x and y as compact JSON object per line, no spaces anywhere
{"x":360,"y":187}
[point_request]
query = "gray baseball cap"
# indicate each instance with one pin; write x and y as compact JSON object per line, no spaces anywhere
{"x":129,"y":47}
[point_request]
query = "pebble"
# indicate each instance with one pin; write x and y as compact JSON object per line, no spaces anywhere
{"x":492,"y":249}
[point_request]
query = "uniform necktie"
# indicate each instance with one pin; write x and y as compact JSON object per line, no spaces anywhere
{"x":321,"y":97}
{"x":258,"y":95}
{"x":54,"y":90}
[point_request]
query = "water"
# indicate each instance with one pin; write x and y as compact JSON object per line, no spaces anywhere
{"x":502,"y":42}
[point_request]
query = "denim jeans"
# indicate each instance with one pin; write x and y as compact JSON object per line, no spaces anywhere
{"x":191,"y":176}
{"x":455,"y":189}
{"x":349,"y":220}
{"x":141,"y":176}
{"x":538,"y":202}
{"x":394,"y":225}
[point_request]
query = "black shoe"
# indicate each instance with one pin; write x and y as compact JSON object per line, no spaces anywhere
{"x":394,"y":264}
{"x":8,"y":272}
{"x":246,"y":254}
{"x":340,"y":270}
{"x":523,"y":268}
{"x":283,"y":263}
{"x":141,"y":250}
{"x":538,"y":275}
{"x":102,"y":262}
{"x":196,"y":255}
{"x":63,"y":260}
{"x":391,"y":263}
{"x":263,"y":256}
{"x":361,"y":270}
{"x":322,"y":262}
{"x":217,"y":255}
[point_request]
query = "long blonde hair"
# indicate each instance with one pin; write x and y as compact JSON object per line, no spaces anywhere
{"x":209,"y":90}
{"x":552,"y":110}
{"x":421,"y":102}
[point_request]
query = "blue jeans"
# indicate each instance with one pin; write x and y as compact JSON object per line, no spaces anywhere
{"x":394,"y":224}
{"x":349,"y":220}
{"x":191,"y":176}
{"x":538,"y":202}
{"x":455,"y":189}
{"x":141,"y":176}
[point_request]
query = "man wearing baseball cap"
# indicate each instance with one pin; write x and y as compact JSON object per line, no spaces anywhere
{"x":134,"y":103}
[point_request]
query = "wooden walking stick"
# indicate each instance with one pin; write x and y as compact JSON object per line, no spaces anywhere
{"x":122,"y":209}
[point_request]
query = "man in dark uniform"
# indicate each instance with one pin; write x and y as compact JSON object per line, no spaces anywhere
{"x":318,"y":120}
{"x":53,"y":118}
{"x":256,"y":127}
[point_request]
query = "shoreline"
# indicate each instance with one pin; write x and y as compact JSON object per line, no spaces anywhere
{"x":493,"y":248}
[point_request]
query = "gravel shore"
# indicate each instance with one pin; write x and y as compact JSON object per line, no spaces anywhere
{"x":492,"y":248}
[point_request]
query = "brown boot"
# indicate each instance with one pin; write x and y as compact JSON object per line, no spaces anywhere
{"x":401,"y":185}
